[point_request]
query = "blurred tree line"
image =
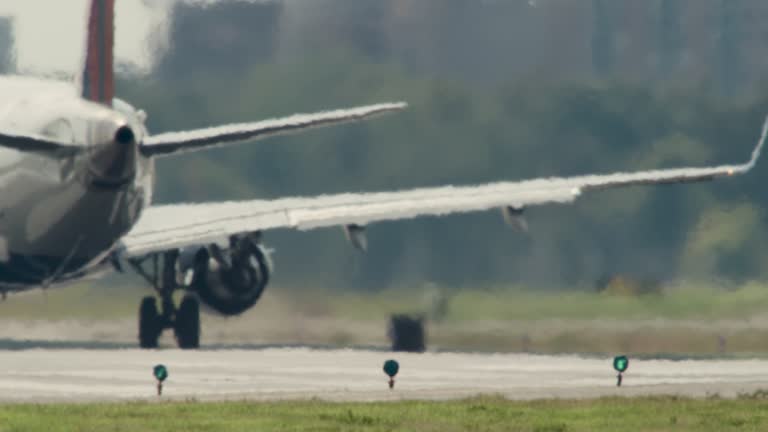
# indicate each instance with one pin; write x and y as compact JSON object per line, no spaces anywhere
{"x":7,"y":55}
{"x":499,"y":90}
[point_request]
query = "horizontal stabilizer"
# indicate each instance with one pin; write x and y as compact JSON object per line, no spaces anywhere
{"x":35,"y":144}
{"x":187,"y":141}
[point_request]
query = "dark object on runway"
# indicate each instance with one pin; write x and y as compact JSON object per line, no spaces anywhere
{"x":407,"y":333}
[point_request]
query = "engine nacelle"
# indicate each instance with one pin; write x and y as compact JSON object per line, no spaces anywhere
{"x":229,"y":280}
{"x":513,"y":216}
{"x":356,"y":236}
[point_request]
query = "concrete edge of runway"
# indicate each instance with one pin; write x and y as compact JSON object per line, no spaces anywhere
{"x":32,"y":344}
{"x":44,"y":375}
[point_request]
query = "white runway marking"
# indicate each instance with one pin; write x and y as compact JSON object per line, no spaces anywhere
{"x":271,"y":374}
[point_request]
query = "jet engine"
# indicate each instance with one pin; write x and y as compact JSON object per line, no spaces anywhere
{"x":228,"y":280}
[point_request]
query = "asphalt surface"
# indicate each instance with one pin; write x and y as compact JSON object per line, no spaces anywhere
{"x":81,"y":375}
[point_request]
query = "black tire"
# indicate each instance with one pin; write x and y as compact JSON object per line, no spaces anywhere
{"x":407,"y":333}
{"x":149,"y":323}
{"x":187,"y":325}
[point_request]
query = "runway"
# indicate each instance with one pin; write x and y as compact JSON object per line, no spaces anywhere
{"x":79,"y":375}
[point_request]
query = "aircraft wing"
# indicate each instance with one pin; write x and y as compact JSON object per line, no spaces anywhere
{"x":166,"y":227}
{"x":186,"y":141}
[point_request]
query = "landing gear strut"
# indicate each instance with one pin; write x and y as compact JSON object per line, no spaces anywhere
{"x":184,"y":320}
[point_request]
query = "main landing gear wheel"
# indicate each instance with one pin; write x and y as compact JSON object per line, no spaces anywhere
{"x":149,"y":323}
{"x":187,"y":324}
{"x":184,"y":320}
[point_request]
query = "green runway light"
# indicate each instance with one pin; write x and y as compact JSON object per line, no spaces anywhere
{"x":620,"y":363}
{"x":391,"y":367}
{"x":161,"y":372}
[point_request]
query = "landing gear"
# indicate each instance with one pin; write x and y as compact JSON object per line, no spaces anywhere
{"x":228,"y":280}
{"x":184,"y":320}
{"x":187,"y":324}
{"x":149,"y":323}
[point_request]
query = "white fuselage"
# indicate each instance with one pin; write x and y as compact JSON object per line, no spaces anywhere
{"x":58,"y":215}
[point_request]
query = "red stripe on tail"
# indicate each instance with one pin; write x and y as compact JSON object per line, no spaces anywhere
{"x":98,"y":75}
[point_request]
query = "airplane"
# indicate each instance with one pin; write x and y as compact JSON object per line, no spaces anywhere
{"x":77,"y":175}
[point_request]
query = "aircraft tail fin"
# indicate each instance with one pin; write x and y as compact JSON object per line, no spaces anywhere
{"x":97,"y":81}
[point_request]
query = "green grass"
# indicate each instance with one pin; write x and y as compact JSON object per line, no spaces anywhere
{"x":481,"y":413}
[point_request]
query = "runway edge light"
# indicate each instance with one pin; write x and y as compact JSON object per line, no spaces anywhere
{"x":161,"y":373}
{"x":620,"y":364}
{"x":391,"y":367}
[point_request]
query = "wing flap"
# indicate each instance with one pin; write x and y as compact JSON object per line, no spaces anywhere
{"x":408,"y":208}
{"x":186,"y":141}
{"x":172,"y":226}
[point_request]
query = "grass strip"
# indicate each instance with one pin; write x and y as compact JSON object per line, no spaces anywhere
{"x":487,"y":413}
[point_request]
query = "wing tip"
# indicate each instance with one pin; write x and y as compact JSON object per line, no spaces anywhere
{"x":388,"y":107}
{"x":759,"y":147}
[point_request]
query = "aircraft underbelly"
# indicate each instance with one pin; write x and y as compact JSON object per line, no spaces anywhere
{"x":50,"y":227}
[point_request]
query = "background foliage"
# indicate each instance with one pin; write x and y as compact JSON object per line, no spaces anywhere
{"x":499,"y":90}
